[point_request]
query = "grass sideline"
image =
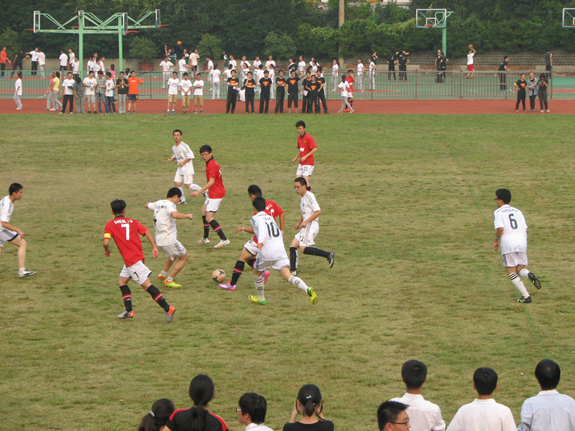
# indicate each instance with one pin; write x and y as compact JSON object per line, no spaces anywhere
{"x":407,"y":206}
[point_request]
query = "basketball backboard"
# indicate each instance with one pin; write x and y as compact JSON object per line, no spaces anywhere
{"x":431,"y":18}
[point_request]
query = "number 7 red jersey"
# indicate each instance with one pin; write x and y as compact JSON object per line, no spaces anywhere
{"x":126,"y":234}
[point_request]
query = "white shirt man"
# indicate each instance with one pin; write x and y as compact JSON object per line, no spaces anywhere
{"x":182,"y":67}
{"x":95,"y":67}
{"x":75,"y":66}
{"x":101,"y":67}
{"x":18,"y":88}
{"x":68,"y":86}
{"x":110,"y":86}
{"x":89,"y":85}
{"x":186,"y":85}
{"x":470,"y":58}
{"x":71,"y":56}
{"x":548,"y":410}
{"x":257,"y":63}
{"x":301,"y":67}
{"x":194,"y":60}
{"x":227,"y":74}
{"x":483,"y":415}
{"x":173,"y":84}
{"x":423,"y":414}
{"x":41,"y":63}
{"x":233,"y":63}
{"x":89,"y":65}
{"x":199,"y":87}
{"x":63,"y":60}
{"x":34,"y":56}
{"x":270,"y":63}
{"x":166,"y":65}
{"x":215,"y":74}
{"x":209,"y":66}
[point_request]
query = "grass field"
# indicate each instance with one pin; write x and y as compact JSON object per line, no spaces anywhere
{"x":407,"y":206}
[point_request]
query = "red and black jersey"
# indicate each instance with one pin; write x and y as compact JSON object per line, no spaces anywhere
{"x":213,"y":170}
{"x":181,"y":420}
{"x":126,"y":234}
{"x":313,"y":87}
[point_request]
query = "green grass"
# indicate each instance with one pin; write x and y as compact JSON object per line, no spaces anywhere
{"x":407,"y":206}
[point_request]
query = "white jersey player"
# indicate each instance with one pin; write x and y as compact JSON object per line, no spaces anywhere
{"x":309,"y":225}
{"x":183,"y":155}
{"x":511,"y":229}
{"x":165,"y":216}
{"x":271,"y":253}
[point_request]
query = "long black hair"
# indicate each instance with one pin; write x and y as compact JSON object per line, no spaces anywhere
{"x":201,"y":393}
{"x":158,"y":416}
{"x":310,"y":396}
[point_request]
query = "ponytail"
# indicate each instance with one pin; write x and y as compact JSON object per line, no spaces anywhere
{"x":199,"y":414}
{"x":309,"y":407}
{"x":158,"y":416}
{"x":201,"y":393}
{"x":309,"y":397}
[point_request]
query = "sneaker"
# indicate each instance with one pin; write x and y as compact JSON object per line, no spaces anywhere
{"x":26,"y":273}
{"x":524,"y":300}
{"x":183,"y":203}
{"x":222,"y":243}
{"x":161,"y":277}
{"x":352,"y":111}
{"x":533,"y":279}
{"x":168,"y":111}
{"x":171,"y":283}
{"x":313,"y":296}
{"x":547,"y":110}
{"x":339,"y":112}
{"x":266,"y":275}
{"x":170,"y":314}
{"x":204,"y":241}
{"x":201,"y":112}
{"x":257,"y":300}
{"x":173,"y":112}
{"x":294,"y":273}
{"x":331,"y":258}
{"x":195,"y":112}
{"x":52,"y":109}
{"x":227,"y":286}
{"x":516,"y":110}
{"x":126,"y":315}
{"x":542,"y":111}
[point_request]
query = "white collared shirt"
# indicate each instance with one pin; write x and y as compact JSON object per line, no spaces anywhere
{"x":257,"y":427}
{"x":423,"y":414}
{"x":483,"y":415}
{"x":547,"y":411}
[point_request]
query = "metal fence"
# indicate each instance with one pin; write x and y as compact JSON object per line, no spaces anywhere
{"x":414,"y":84}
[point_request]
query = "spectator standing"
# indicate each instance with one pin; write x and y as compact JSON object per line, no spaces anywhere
{"x":79,"y":95}
{"x":183,"y":66}
{"x":233,"y":88}
{"x":167,"y":67}
{"x":90,"y":85}
{"x":532,"y":89}
{"x":334,"y":72}
{"x":34,"y":61}
{"x":63,"y":61}
{"x":392,"y":416}
{"x":110,"y":87}
{"x":360,"y":67}
{"x":194,"y":57}
{"x":173,"y":84}
{"x":68,"y":91}
{"x":156,"y":419}
{"x":186,"y":87}
{"x":48,"y":93}
{"x":441,"y":64}
{"x":309,"y":404}
{"x":250,"y":86}
{"x":321,"y":90}
{"x":265,"y":85}
{"x":19,"y":60}
{"x":391,"y":62}
{"x":503,"y":68}
{"x":293,"y":91}
{"x":252,"y":412}
{"x":122,"y":86}
{"x":133,"y":82}
{"x":543,"y":85}
{"x":216,"y":82}
{"x":55,"y":92}
{"x":41,"y":63}
{"x":549,"y":64}
{"x":4,"y":60}
{"x":71,"y":56}
{"x":344,"y":85}
{"x":199,"y":94}
{"x":18,"y":91}
{"x":305,"y":92}
{"x":301,"y":66}
{"x":75,"y":65}
{"x":521,"y":84}
{"x":372,"y":69}
{"x":374,"y":57}
{"x":101,"y":92}
{"x":403,"y":62}
{"x":280,"y":96}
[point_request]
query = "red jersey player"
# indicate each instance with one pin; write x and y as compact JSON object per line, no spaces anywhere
{"x":216,"y":193}
{"x":125,"y":232}
{"x":350,"y":79}
{"x":250,"y":250}
{"x":306,"y":147}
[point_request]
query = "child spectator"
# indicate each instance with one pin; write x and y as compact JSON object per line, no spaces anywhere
{"x":199,"y":94}
{"x":186,"y":86}
{"x":110,"y":87}
{"x":155,"y":419}
{"x":252,"y":412}
{"x":309,"y":404}
{"x":423,"y":415}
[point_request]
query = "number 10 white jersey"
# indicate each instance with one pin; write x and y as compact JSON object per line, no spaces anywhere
{"x":269,"y":234}
{"x":514,"y":238}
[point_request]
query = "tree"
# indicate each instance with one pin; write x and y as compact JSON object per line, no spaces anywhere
{"x":142,"y":48}
{"x":210,"y":46}
{"x":281,"y":46}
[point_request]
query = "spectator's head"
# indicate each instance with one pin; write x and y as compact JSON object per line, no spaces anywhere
{"x":157,"y":418}
{"x":109,"y":75}
{"x":133,"y":73}
{"x":548,"y":374}
{"x":185,"y":75}
{"x":309,"y":401}
{"x":70,"y":50}
{"x":118,"y":206}
{"x":281,"y":73}
{"x":113,"y":67}
{"x":252,"y":407}
{"x":414,"y":373}
{"x":57,"y":74}
{"x":292,"y":73}
{"x":174,"y":75}
{"x":215,"y":66}
{"x":166,"y":58}
{"x":266,"y":73}
{"x":542,"y":77}
{"x":359,"y":60}
{"x":301,"y":58}
{"x":343,"y":77}
{"x":485,"y":381}
{"x":121,"y":74}
{"x":320,"y":69}
{"x":503,"y":195}
{"x":531,"y":75}
{"x":506,"y":58}
{"x":392,"y":416}
{"x":234,"y":73}
{"x":77,"y":79}
{"x":69,"y":75}
{"x":198,"y":75}
{"x":19,"y":75}
{"x":249,"y":75}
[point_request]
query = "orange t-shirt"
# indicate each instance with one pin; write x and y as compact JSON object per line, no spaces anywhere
{"x":133,"y":85}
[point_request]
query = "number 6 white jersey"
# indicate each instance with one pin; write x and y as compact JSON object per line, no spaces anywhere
{"x":514,"y":238}
{"x":268,"y":233}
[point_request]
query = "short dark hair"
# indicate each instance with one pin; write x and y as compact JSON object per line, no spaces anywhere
{"x":414,"y":374}
{"x":504,"y":195}
{"x":485,"y":380}
{"x":174,"y":191}
{"x":14,"y":187}
{"x":99,"y":72}
{"x":301,"y":180}
{"x":254,"y":190}
{"x":185,"y":74}
{"x":205,"y":149}
{"x":548,"y":374}
{"x":255,"y":405}
{"x":118,"y":206}
{"x":177,"y":130}
{"x":108,"y":74}
{"x":388,"y":412}
{"x":259,"y":203}
{"x":300,"y":123}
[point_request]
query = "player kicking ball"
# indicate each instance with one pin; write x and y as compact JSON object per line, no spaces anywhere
{"x":271,"y":254}
{"x":126,"y":234}
{"x":165,"y":216}
{"x":250,"y":250}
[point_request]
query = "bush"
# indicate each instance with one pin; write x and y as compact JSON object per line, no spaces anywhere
{"x":210,"y":46}
{"x":325,"y":41}
{"x":281,"y":46}
{"x":142,"y":48}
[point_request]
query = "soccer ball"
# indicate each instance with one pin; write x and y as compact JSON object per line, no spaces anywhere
{"x":219,"y":275}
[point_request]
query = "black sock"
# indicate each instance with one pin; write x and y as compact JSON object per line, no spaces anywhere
{"x":251,"y":262}
{"x":158,"y":297}
{"x":238,"y":270}
{"x":218,"y":229}
{"x":127,"y":297}
{"x":316,"y":252}
{"x":206,"y":227}
{"x":292,"y":259}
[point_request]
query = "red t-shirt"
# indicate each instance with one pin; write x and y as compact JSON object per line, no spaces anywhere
{"x":133,"y":85}
{"x":213,"y":170}
{"x":3,"y":57}
{"x":305,"y":144}
{"x":125,"y":232}
{"x":272,"y":209}
{"x":351,"y":81}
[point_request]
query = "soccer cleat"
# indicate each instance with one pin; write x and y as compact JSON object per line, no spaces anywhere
{"x":26,"y":273}
{"x":227,"y":286}
{"x":266,"y":275}
{"x":222,"y":243}
{"x":126,"y":315}
{"x":524,"y":300}
{"x":533,"y":278}
{"x":171,"y":283}
{"x":294,"y":272}
{"x":331,"y":258}
{"x":257,"y":300}
{"x":161,"y":277}
{"x":183,"y":203}
{"x":204,"y":241}
{"x":313,"y":296}
{"x":205,"y":193}
{"x":170,"y":314}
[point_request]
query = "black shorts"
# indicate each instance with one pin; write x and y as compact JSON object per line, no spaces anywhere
{"x":133,"y":97}
{"x":292,"y":97}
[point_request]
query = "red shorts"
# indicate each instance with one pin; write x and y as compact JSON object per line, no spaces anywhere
{"x":470,"y":68}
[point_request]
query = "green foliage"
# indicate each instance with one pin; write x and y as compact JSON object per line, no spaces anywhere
{"x":281,"y":46}
{"x":143,"y":48}
{"x":9,"y":39}
{"x":210,"y":45}
{"x":325,"y":41}
{"x":352,"y":37}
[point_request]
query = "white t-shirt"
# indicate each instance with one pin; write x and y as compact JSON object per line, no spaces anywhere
{"x":185,"y":85}
{"x":242,"y":95}
{"x":216,"y":75}
{"x":102,"y":67}
{"x":90,"y":86}
{"x":270,"y":63}
{"x":166,"y":65}
{"x":41,"y":58}
{"x":183,"y":152}
{"x":71,"y":56}
{"x":227,"y":73}
{"x":110,"y":85}
{"x":548,"y":410}
{"x":268,"y":233}
{"x":308,"y":206}
{"x":198,"y":91}
{"x":18,"y":87}
{"x":95,"y":68}
{"x":259,"y":75}
{"x":173,"y":84}
{"x":233,"y":63}
{"x":164,"y":223}
{"x":68,"y":85}
{"x":423,"y":414}
{"x":75,"y":66}
{"x":33,"y":55}
{"x":6,"y":208}
{"x":514,"y":238}
{"x":372,"y":66}
{"x":470,"y":58}
{"x":343,"y":85}
{"x":210,"y":65}
{"x":360,"y":67}
{"x":301,"y":66}
{"x":182,"y":65}
{"x":63,"y":60}
{"x":194,"y":58}
{"x":483,"y":415}
{"x":89,"y":65}
{"x":334,"y":69}
{"x":257,"y":64}
{"x":247,"y":63}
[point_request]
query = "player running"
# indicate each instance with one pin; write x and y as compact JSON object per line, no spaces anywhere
{"x":165,"y":216}
{"x":125,"y":232}
{"x":306,"y":148}
{"x":183,"y":155}
{"x":511,"y":229}
{"x":250,"y":250}
{"x":271,"y":254}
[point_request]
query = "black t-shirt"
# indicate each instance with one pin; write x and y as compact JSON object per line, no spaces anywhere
{"x":305,"y":84}
{"x":318,"y":426}
{"x":391,"y":61}
{"x":181,"y":420}
{"x":374,"y":59}
{"x":313,"y":88}
{"x":250,"y":86}
{"x":235,"y":81}
{"x":320,"y":81}
{"x":292,"y":84}
{"x":547,"y":59}
{"x":402,"y":59}
{"x":265,"y":85}
{"x":20,"y":57}
{"x":521,"y":84}
{"x":280,"y":88}
{"x":438,"y":59}
{"x":119,"y":84}
{"x":503,"y":65}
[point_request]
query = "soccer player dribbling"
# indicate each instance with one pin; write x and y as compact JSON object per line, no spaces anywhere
{"x":125,"y":232}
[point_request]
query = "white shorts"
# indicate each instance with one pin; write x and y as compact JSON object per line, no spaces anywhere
{"x":212,"y":205}
{"x":251,"y":247}
{"x":137,"y":272}
{"x":183,"y":178}
{"x":304,"y":170}
{"x":6,"y":236}
{"x":262,"y":265}
{"x":173,"y":250}
{"x":308,"y":234}
{"x":511,"y":260}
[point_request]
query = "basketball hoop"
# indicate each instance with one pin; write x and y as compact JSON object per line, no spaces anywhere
{"x":163,"y":25}
{"x":130,"y":31}
{"x":429,"y":25}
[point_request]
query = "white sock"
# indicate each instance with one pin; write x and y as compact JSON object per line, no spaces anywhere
{"x":183,"y":199}
{"x":259,"y":282}
{"x":524,"y":272}
{"x":164,"y":274}
{"x":21,"y":271}
{"x":194,"y":187}
{"x":298,"y":282}
{"x":518,"y":283}
{"x":170,"y":279}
